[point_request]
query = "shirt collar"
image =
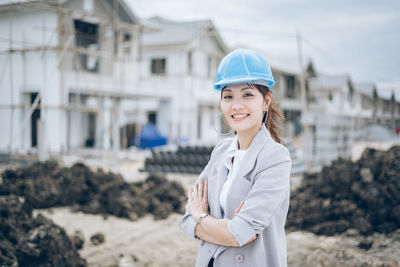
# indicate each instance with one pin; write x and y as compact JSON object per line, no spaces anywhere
{"x":234,"y":146}
{"x":231,"y":152}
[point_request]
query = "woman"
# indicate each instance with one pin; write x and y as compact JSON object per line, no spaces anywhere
{"x":239,"y":203}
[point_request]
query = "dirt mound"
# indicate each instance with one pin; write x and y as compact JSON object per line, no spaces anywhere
{"x":46,"y":185}
{"x":363,"y":195}
{"x":27,"y":241}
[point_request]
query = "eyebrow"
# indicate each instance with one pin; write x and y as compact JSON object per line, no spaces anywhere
{"x":227,"y":89}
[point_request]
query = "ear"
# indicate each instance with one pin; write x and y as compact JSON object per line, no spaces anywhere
{"x":267,"y":101}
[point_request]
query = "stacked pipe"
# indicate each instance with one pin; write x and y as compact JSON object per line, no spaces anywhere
{"x":187,"y":159}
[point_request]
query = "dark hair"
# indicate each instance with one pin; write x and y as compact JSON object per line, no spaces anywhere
{"x":274,"y":114}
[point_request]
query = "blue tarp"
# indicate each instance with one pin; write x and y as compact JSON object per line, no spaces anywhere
{"x":149,"y":137}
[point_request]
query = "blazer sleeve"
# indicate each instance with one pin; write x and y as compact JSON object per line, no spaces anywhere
{"x":271,"y":186}
{"x":187,"y":222}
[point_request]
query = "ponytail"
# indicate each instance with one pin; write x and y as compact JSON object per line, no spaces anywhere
{"x":274,"y":114}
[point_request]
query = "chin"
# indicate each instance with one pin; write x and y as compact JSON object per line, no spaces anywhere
{"x":242,"y":128}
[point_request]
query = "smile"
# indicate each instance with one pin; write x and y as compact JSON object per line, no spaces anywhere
{"x":241,"y":116}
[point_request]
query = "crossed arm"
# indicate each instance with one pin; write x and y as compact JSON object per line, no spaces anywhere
{"x":211,"y":229}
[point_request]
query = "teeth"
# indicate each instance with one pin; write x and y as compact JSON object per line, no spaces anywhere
{"x":239,"y":116}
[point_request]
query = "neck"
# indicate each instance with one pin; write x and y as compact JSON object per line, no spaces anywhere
{"x":246,"y":137}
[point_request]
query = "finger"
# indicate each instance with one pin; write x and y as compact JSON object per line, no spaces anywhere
{"x":201,"y":187}
{"x":195,"y":189}
{"x":240,"y":205}
{"x":236,"y":212}
{"x":205,"y":194}
{"x":238,"y":209}
{"x":189,"y":196}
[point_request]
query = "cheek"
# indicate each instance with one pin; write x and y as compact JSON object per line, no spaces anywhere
{"x":225,"y":111}
{"x":224,"y":107}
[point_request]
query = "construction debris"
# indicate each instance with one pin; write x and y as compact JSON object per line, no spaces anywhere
{"x":27,"y":241}
{"x":97,"y":239}
{"x":78,"y":239}
{"x":46,"y":185}
{"x":362,"y":195}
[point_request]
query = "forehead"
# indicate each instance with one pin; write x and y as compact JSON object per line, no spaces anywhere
{"x":237,"y":86}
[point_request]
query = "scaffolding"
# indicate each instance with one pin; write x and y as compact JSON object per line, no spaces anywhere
{"x":83,"y":46}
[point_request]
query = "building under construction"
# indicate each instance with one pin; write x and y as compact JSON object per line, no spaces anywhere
{"x":90,"y":74}
{"x":68,"y":69}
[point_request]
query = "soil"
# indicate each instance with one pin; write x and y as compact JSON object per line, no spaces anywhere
{"x":28,"y":241}
{"x":46,"y":185}
{"x":362,"y":195}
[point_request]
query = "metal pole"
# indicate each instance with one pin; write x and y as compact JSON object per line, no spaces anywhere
{"x":43,"y":121}
{"x":306,"y":135}
{"x":61,"y":122}
{"x":11,"y":81}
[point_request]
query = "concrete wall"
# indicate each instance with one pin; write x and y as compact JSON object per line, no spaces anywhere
{"x":32,"y":71}
{"x":52,"y":71}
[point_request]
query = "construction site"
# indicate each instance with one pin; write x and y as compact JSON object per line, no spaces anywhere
{"x":107,"y":124}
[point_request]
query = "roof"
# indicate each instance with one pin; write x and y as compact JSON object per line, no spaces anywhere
{"x":385,"y":93}
{"x":125,"y":13}
{"x":365,"y":88}
{"x":172,"y":32}
{"x":8,"y":2}
{"x":12,"y":2}
{"x":386,"y":89}
{"x":323,"y":81}
{"x":374,"y":132}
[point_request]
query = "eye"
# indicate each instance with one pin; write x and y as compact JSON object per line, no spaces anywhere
{"x":248,"y":94}
{"x":227,"y":97}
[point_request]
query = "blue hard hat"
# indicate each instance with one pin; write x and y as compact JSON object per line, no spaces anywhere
{"x":241,"y":66}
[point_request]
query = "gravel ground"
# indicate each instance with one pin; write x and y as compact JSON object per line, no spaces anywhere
{"x":148,"y":242}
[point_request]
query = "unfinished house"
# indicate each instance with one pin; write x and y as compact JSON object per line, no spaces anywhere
{"x":365,"y":103}
{"x":338,"y":108}
{"x":386,"y":108}
{"x":179,"y":63}
{"x":287,"y":92}
{"x":329,"y":119}
{"x":68,"y":70}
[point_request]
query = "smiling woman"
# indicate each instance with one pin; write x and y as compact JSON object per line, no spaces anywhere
{"x":239,"y":203}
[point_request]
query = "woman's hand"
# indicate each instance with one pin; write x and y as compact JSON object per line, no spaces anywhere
{"x":198,"y":199}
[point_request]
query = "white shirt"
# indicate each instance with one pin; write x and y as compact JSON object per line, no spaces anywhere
{"x":238,"y":156}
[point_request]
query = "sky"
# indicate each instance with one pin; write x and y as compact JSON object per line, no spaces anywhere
{"x":358,"y":38}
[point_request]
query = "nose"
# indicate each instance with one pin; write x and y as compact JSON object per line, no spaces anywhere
{"x":237,"y":104}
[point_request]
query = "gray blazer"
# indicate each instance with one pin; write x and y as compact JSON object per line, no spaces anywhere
{"x":263,"y":182}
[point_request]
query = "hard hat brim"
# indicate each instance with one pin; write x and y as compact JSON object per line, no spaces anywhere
{"x":224,"y":82}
